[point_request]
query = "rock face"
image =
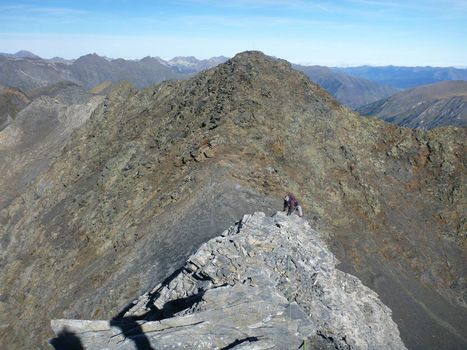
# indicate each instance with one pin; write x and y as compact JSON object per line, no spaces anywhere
{"x":154,"y":173}
{"x":265,"y":283}
{"x":426,"y":107}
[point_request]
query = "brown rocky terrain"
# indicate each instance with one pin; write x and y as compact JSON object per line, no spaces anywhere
{"x":154,"y":173}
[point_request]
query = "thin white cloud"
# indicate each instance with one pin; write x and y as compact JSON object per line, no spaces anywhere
{"x":319,"y":5}
{"x":380,"y":3}
{"x":22,"y":9}
{"x":57,"y":11}
{"x":265,"y":21}
{"x":433,"y":6}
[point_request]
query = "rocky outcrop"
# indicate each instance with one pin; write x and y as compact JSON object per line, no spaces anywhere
{"x":265,"y":283}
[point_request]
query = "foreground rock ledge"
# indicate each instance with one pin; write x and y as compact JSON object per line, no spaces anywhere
{"x":265,"y":283}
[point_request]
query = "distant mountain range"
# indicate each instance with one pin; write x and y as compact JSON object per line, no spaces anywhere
{"x":364,"y":88}
{"x":28,"y":74}
{"x":405,"y":77}
{"x":425,"y":107}
{"x":27,"y":71}
{"x":348,"y":90}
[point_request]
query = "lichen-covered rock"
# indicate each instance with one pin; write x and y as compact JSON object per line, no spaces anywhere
{"x":265,"y":283}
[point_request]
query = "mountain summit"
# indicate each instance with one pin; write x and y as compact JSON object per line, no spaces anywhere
{"x":154,"y":173}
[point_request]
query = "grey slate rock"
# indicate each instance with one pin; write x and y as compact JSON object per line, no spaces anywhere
{"x":265,"y":283}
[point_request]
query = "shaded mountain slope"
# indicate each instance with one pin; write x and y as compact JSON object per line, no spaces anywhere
{"x":11,"y":102}
{"x":426,"y":107}
{"x":66,"y":92}
{"x":155,"y":173}
{"x":348,"y":90}
{"x":266,"y":282}
{"x":31,"y":142}
{"x":27,"y":74}
{"x":406,"y":77}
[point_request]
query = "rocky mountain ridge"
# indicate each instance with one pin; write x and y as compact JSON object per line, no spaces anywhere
{"x":154,"y":173}
{"x":265,"y":283}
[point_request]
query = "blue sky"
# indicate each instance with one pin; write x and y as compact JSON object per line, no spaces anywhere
{"x":346,"y":32}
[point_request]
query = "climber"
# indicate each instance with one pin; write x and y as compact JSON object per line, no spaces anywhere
{"x":291,"y":204}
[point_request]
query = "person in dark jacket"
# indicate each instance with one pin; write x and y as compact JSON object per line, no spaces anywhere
{"x":291,"y":204}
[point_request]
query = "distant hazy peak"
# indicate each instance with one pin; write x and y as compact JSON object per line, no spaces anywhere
{"x":21,"y":54}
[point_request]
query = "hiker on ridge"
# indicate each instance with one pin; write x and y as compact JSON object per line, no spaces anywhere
{"x":291,"y":204}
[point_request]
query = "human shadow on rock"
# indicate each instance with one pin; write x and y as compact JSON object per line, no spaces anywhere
{"x":132,"y":329}
{"x":66,"y":340}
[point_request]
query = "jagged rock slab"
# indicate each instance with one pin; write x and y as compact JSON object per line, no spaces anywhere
{"x":265,"y":283}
